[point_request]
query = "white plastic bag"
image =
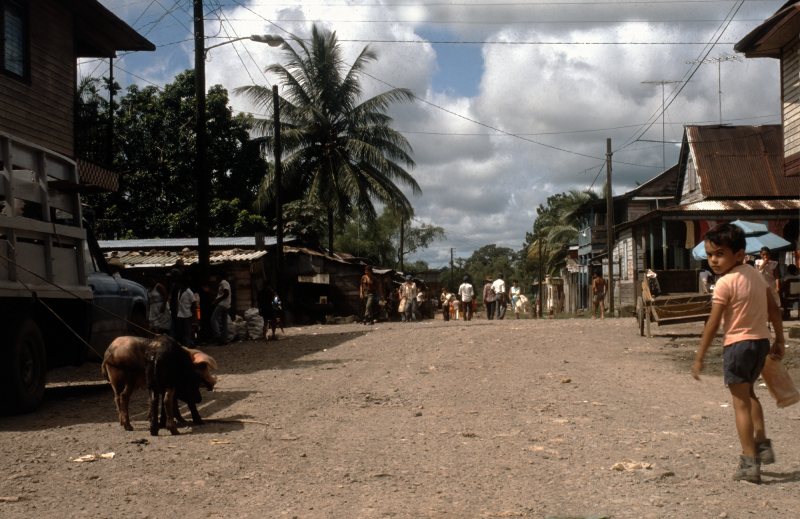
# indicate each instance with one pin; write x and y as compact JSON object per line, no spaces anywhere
{"x":255,"y":324}
{"x":231,"y":327}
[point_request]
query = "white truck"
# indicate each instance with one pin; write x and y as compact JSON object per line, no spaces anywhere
{"x":56,"y":291}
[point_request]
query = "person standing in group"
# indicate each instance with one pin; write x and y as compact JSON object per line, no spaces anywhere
{"x":174,"y":288}
{"x":467,"y":294}
{"x":370,"y":287}
{"x":266,"y":297}
{"x":513,"y":294}
{"x":158,"y":313}
{"x":488,"y":298}
{"x":408,"y":294}
{"x":219,"y":319}
{"x":185,"y":314}
{"x":769,"y":269}
{"x":743,"y":302}
{"x":445,"y":304}
{"x":500,"y":297}
{"x":599,"y":286}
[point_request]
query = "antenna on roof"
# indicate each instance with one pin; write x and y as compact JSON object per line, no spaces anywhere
{"x":663,"y":139}
{"x":718,"y":60}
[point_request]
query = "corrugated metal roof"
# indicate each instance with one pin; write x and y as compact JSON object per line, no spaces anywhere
{"x":178,"y":243}
{"x":741,"y":161}
{"x":165,"y":259}
{"x":736,"y":205}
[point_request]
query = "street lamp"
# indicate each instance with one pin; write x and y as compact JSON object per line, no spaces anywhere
{"x":201,"y":168}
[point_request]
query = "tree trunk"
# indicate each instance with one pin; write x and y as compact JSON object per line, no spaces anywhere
{"x":330,"y":231}
{"x":402,"y":231}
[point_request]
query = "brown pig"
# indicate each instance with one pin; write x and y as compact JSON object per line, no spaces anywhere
{"x":124,"y":367}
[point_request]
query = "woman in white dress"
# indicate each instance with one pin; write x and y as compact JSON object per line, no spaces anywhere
{"x":514,"y":293}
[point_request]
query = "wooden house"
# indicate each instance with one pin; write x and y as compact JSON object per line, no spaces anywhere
{"x":779,"y":38}
{"x":42,"y":40}
{"x":724,"y":173}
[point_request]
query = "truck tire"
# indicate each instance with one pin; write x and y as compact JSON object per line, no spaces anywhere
{"x":25,"y":368}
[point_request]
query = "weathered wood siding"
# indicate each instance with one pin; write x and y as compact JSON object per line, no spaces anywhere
{"x":691,"y":182}
{"x":42,"y":111}
{"x":790,"y":68}
{"x":623,"y":252}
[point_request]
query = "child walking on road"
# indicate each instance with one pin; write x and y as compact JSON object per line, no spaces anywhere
{"x":743,"y":302}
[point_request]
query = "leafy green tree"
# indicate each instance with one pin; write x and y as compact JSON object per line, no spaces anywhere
{"x":379,"y":239}
{"x":154,"y":155}
{"x":338,"y":153}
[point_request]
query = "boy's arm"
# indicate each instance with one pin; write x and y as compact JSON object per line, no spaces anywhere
{"x":778,"y":347}
{"x":709,"y":332}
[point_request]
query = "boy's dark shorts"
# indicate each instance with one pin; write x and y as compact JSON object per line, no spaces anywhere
{"x":743,"y":361}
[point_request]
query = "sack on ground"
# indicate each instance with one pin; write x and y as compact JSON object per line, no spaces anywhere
{"x":231,"y":327}
{"x":241,"y":328}
{"x":255,"y":324}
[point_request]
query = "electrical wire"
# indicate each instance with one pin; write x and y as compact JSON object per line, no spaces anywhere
{"x":491,"y":42}
{"x":680,"y":86}
{"x":510,"y":22}
{"x":511,"y":4}
{"x":222,"y":12}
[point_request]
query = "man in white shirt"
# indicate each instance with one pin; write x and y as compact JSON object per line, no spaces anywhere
{"x":500,"y":296}
{"x":408,"y":291}
{"x":185,"y":306}
{"x":220,"y":315}
{"x":467,"y":294}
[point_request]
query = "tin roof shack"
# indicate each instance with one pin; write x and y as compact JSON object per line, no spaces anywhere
{"x":777,"y":38}
{"x":240,"y":268}
{"x":656,"y":193}
{"x":725,"y":173}
{"x":41,"y":42}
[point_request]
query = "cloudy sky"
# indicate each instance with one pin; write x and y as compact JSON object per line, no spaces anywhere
{"x":564,"y":74}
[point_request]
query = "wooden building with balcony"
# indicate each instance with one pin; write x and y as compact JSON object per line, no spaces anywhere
{"x":42,"y":41}
{"x":779,"y":38}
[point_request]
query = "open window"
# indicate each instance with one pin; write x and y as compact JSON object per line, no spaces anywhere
{"x":14,"y":37}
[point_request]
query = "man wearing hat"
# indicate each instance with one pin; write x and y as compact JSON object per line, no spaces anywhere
{"x":467,"y":294}
{"x":500,"y":300}
{"x":408,"y":294}
{"x":367,"y":291}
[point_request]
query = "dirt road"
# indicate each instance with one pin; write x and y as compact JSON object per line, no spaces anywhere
{"x":420,"y":420}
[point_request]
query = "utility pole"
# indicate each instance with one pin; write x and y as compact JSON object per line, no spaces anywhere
{"x":610,"y":228}
{"x":402,"y":231}
{"x":541,"y":298}
{"x":276,"y":119}
{"x":718,"y":60}
{"x":451,"y":268}
{"x":663,"y":116}
{"x":202,"y":176}
{"x":110,"y":144}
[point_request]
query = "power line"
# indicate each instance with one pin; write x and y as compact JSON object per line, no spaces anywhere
{"x":678,"y":89}
{"x":490,"y":42}
{"x":222,"y":26}
{"x":510,"y":22}
{"x":222,"y":12}
{"x":512,"y":4}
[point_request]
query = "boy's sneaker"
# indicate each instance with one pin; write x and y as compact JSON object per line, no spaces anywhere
{"x":749,"y":469}
{"x":765,"y":452}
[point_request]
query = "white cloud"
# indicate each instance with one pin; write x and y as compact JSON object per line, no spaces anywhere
{"x":485,"y":189}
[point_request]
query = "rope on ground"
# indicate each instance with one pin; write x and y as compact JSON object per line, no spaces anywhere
{"x":73,"y":295}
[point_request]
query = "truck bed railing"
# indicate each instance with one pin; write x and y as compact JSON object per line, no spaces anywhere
{"x":35,"y":183}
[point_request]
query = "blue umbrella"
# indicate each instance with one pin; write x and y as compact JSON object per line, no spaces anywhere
{"x":756,"y":236}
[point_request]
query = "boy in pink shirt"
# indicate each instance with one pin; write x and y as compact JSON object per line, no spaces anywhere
{"x":743,"y":302}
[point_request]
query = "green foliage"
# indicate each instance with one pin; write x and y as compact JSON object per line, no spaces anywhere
{"x":305,"y":221}
{"x":154,"y":155}
{"x":557,"y":225}
{"x":487,"y":261}
{"x":338,"y":153}
{"x":379,"y":240}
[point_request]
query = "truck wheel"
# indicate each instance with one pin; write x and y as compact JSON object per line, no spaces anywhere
{"x":25,"y":367}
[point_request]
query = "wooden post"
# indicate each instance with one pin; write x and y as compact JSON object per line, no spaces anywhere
{"x":201,"y":171}
{"x":276,"y":121}
{"x":402,"y":237}
{"x":610,"y":228}
{"x":540,"y":296}
{"x":664,"y":244}
{"x":637,"y":289}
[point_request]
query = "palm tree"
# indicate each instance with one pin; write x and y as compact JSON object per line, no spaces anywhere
{"x":338,"y":152}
